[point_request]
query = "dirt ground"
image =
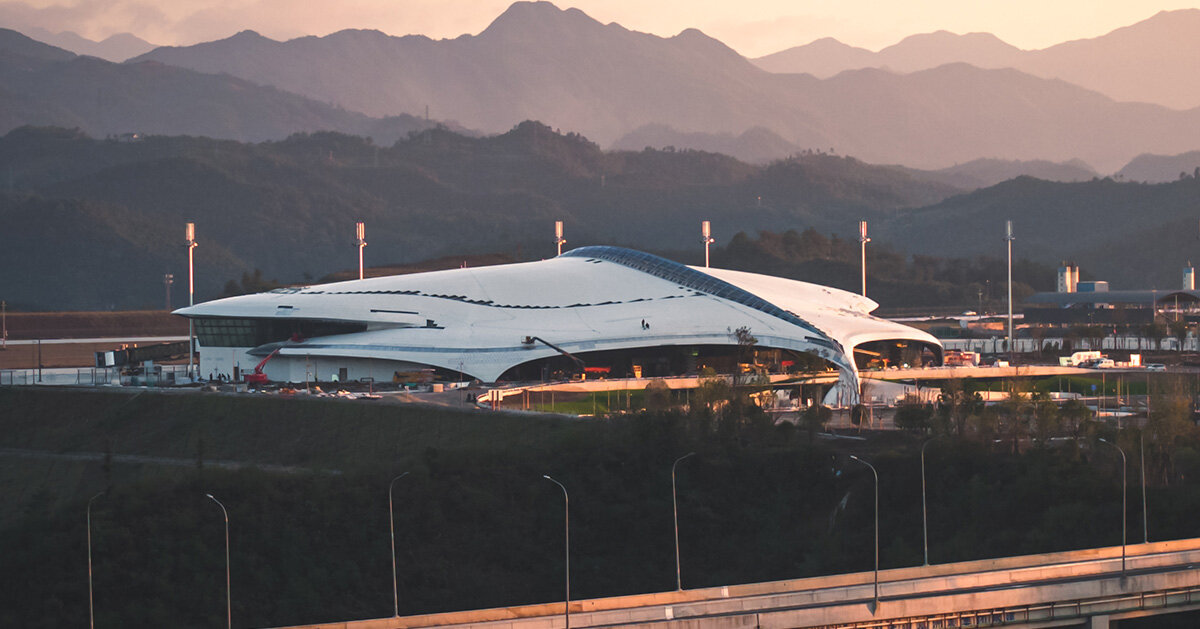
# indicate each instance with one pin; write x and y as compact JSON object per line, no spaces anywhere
{"x":82,"y":325}
{"x":79,"y":325}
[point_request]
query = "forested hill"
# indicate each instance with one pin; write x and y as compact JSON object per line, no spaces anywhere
{"x":1135,"y":235}
{"x":94,"y":223}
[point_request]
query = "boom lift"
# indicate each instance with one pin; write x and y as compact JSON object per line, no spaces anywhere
{"x":258,"y":377}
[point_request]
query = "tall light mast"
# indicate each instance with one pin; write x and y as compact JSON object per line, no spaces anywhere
{"x":863,"y":240}
{"x":191,"y":245}
{"x":1008,"y":237}
{"x":361,"y":230}
{"x":558,"y":236}
{"x":706,"y":238}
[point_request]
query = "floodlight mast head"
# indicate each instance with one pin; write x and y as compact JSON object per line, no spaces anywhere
{"x":706,"y":238}
{"x":361,"y":231}
{"x":559,"y":241}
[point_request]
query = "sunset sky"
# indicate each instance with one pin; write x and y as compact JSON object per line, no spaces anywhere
{"x":752,"y":27}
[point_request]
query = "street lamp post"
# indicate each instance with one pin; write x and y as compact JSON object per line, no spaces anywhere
{"x":559,"y":241}
{"x":1142,"y":461}
{"x":863,"y":240}
{"x":1124,"y":511}
{"x":876,"y":475}
{"x":360,"y":231}
{"x":567,"y":538}
{"x":1008,"y":237}
{"x":228,"y":597}
{"x":91,"y":608}
{"x":706,"y":238}
{"x":392,"y":526}
{"x":675,"y":508}
{"x":191,"y":245}
{"x":924,"y":508}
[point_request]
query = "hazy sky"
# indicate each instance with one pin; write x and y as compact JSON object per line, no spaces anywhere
{"x":752,"y":27}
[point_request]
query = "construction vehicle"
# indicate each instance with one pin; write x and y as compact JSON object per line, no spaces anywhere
{"x":258,"y":377}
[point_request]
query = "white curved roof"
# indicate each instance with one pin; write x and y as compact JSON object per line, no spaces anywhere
{"x":589,"y":299}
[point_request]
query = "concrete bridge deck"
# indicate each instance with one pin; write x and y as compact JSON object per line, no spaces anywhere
{"x":1075,"y":588}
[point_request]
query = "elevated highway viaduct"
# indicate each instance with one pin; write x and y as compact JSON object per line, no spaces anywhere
{"x":1085,"y":588}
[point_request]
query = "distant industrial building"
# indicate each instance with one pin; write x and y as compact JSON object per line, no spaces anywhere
{"x":1085,"y":303}
{"x":600,"y":310}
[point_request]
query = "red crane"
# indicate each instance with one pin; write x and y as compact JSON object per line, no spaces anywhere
{"x":258,"y":377}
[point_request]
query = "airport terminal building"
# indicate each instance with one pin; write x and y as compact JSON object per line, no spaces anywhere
{"x":606,"y":311}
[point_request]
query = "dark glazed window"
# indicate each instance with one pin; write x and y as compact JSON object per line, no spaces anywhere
{"x":232,"y":332}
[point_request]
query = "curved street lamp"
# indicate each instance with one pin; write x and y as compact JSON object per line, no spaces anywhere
{"x":228,"y":598}
{"x":675,"y":508}
{"x":392,"y":527}
{"x":1142,"y":461}
{"x":1124,"y":510}
{"x":924,"y":509}
{"x":876,"y":474}
{"x":91,"y":612}
{"x":567,"y":528}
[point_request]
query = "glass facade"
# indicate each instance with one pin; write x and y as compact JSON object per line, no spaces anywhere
{"x":230,"y":332}
{"x":687,"y":277}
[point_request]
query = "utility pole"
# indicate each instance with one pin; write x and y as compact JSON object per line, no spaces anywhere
{"x":1008,"y":237}
{"x":863,"y":240}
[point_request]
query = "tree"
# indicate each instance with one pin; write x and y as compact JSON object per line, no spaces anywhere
{"x":1156,"y":332}
{"x":658,"y":395}
{"x":1013,"y":415}
{"x":1047,"y":421}
{"x":1076,"y":420}
{"x":814,"y":418}
{"x":914,"y":415}
{"x":958,"y":402}
{"x":745,"y":349}
{"x":251,"y":283}
{"x":1179,"y":329}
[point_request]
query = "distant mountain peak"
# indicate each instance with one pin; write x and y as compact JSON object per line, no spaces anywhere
{"x":523,"y":17}
{"x":16,"y":43}
{"x":248,"y":35}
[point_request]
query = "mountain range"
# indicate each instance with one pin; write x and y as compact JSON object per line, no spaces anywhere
{"x":45,"y":85}
{"x":1153,"y":61}
{"x":105,"y":217}
{"x":1133,"y":234}
{"x":569,"y":71}
{"x":117,"y":48}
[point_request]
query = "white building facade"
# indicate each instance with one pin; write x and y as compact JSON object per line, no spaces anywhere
{"x":608,"y":308}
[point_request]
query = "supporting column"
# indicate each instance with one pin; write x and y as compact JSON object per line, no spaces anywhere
{"x":1099,"y":622}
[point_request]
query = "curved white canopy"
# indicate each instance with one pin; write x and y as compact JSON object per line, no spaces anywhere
{"x":594,"y":298}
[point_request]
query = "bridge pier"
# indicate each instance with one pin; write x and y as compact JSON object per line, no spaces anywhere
{"x":1099,"y":622}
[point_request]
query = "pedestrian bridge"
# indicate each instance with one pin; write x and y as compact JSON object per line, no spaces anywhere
{"x":1086,"y":588}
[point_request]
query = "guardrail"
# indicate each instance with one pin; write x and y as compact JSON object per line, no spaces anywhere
{"x":56,"y":376}
{"x":1025,"y":614}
